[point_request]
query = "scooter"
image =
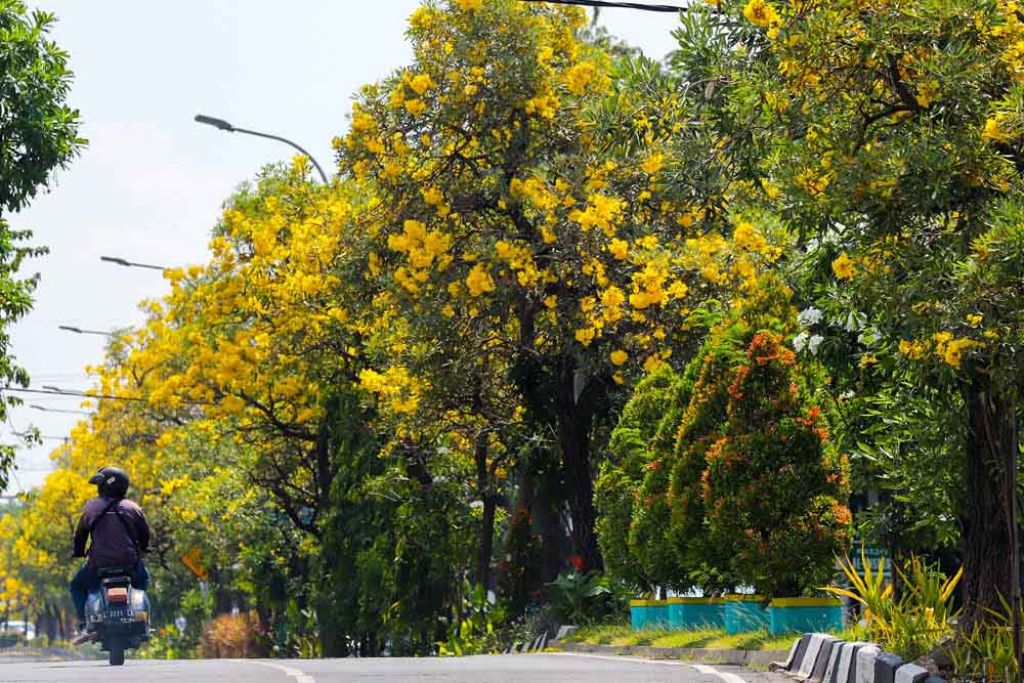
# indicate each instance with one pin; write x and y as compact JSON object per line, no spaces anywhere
{"x":117,"y":615}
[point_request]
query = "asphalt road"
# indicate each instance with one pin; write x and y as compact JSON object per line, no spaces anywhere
{"x":534,"y":667}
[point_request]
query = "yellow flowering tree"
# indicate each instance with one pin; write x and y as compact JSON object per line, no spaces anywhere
{"x":251,"y":346}
{"x":896,"y":146}
{"x":499,"y":208}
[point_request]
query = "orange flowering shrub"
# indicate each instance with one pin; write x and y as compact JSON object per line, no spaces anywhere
{"x":774,"y":483}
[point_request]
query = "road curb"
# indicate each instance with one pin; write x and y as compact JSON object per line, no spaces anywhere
{"x":822,"y":658}
{"x":749,"y":658}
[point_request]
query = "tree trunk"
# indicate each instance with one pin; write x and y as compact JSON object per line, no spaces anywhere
{"x":992,"y":442}
{"x":575,"y":417}
{"x":549,"y":526}
{"x":485,"y":548}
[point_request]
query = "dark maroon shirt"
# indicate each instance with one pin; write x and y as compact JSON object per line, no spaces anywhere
{"x":111,"y":543}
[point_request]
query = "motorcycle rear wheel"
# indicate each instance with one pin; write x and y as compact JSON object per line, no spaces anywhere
{"x":116,"y":654}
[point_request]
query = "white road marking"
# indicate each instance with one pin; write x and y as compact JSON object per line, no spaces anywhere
{"x":298,"y":675}
{"x":702,"y":668}
{"x":617,"y":658}
{"x":725,"y":676}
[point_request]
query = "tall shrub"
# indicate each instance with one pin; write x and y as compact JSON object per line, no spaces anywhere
{"x":631,"y":475}
{"x":773,"y":485}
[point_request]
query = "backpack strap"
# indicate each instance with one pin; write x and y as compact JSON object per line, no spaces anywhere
{"x":131,"y":531}
{"x":96,"y":520}
{"x":115,"y":505}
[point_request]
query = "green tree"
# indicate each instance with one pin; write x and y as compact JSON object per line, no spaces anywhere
{"x":774,"y":488}
{"x":38,"y":133}
{"x":899,"y":151}
{"x":654,"y":408}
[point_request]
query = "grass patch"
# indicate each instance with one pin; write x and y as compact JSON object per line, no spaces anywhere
{"x":696,"y":638}
{"x":622,"y":635}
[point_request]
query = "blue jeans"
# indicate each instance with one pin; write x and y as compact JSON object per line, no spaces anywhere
{"x":87,"y":580}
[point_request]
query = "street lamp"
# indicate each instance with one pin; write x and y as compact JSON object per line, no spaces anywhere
{"x":129,"y":264}
{"x":59,"y":410}
{"x":221,"y":124}
{"x":79,"y":330}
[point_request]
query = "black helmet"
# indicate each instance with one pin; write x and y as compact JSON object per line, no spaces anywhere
{"x":112,"y":482}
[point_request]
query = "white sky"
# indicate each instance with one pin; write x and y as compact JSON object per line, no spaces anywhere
{"x":150,"y":184}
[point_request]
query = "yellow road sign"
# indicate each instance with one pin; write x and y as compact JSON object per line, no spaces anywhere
{"x":193,"y":559}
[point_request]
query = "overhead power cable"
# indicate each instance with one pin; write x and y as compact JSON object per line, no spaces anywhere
{"x":615,"y":5}
{"x":81,"y":394}
{"x":77,"y":394}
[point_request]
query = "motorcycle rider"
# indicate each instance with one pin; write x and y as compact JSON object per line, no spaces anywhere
{"x":120,"y":536}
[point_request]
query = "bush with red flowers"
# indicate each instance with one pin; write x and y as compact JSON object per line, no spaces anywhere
{"x":773,"y":486}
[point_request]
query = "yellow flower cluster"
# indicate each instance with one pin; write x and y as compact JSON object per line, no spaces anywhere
{"x":536,"y":192}
{"x":648,"y":285}
{"x":1011,"y":32}
{"x":914,"y":350}
{"x":395,"y":385}
{"x":760,"y":13}
{"x":544,"y":106}
{"x":746,"y":237}
{"x":520,"y":260}
{"x":653,"y":163}
{"x":997,"y":128}
{"x":843,"y":267}
{"x":951,"y":349}
{"x":479,"y":281}
{"x":601,"y":212}
{"x":584,"y":75}
{"x":424,"y":250}
{"x":619,"y":249}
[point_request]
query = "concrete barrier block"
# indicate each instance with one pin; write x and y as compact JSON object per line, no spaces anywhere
{"x":564,"y":631}
{"x":787,"y":664}
{"x":886,"y":665}
{"x":911,"y":673}
{"x":864,"y":671}
{"x":833,"y":662}
{"x":812,"y":653}
{"x":824,"y":657}
{"x":801,"y":648}
{"x":848,"y":663}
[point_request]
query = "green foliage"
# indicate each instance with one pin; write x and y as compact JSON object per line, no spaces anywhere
{"x":632,"y":477}
{"x":170,"y":643}
{"x":38,"y":133}
{"x":985,"y":650}
{"x":585,"y":597}
{"x":700,"y":560}
{"x":913,"y":623}
{"x":472,"y":632}
{"x":775,"y":485}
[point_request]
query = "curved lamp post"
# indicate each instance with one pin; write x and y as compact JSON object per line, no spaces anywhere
{"x":221,"y":124}
{"x":79,"y":330}
{"x":129,"y":264}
